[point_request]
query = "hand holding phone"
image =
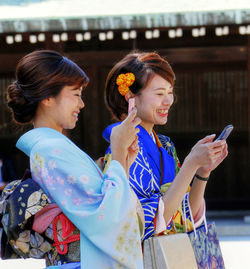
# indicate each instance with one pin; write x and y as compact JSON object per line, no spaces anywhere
{"x":131,"y":104}
{"x":226,"y":132}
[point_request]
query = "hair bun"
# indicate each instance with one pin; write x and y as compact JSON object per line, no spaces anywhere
{"x":22,"y":109}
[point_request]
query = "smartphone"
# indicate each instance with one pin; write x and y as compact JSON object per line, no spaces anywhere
{"x":226,"y":132}
{"x":131,"y":104}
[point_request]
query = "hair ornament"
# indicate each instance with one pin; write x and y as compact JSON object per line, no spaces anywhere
{"x":124,"y":81}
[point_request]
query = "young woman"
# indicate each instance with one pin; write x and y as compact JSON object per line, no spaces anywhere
{"x":156,"y":176}
{"x":82,"y":200}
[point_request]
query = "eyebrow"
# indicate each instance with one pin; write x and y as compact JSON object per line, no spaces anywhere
{"x":170,"y":88}
{"x":77,"y":88}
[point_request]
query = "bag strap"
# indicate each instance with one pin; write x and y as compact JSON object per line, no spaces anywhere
{"x":185,"y":202}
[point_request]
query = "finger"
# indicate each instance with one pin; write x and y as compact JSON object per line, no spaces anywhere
{"x":206,"y":139}
{"x":134,"y":145}
{"x":220,"y":158}
{"x":137,"y":130}
{"x":134,"y":148}
{"x":217,"y":155}
{"x":221,"y":153}
{"x":136,"y":121}
{"x":220,"y":150}
{"x":225,"y":149}
{"x":218,"y":144}
{"x":225,"y":152}
{"x":131,"y":116}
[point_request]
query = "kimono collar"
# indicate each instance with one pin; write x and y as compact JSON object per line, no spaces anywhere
{"x":107,"y":132}
{"x":145,"y":141}
{"x":143,"y":133}
{"x":161,"y":162}
{"x":159,"y":158}
{"x":27,"y":141}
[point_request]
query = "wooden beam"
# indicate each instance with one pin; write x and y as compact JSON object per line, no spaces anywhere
{"x":204,"y":55}
{"x":182,"y":55}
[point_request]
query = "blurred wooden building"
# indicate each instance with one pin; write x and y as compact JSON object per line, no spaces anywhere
{"x":208,"y":48}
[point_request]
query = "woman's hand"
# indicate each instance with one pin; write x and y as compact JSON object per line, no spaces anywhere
{"x":207,"y":154}
{"x":124,"y":141}
{"x":205,"y":171}
{"x":132,"y":152}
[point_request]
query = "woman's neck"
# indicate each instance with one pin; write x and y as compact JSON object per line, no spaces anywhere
{"x":41,"y":122}
{"x":147,"y":127}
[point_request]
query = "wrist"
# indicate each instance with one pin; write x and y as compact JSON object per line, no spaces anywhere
{"x":190,"y":163}
{"x":203,"y":173}
{"x":119,"y":156}
{"x":205,"y":179}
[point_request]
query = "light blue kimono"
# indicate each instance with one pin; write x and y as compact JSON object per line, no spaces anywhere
{"x":101,"y":206}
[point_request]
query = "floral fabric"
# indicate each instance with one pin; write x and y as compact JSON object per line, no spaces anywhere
{"x":26,"y":199}
{"x":101,"y":206}
{"x":207,"y":248}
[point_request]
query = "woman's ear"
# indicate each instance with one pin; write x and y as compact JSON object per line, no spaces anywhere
{"x":47,"y":101}
{"x":129,"y":95}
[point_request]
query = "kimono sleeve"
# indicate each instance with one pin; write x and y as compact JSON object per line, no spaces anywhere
{"x":101,"y":206}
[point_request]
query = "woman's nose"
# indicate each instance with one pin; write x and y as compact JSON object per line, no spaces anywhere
{"x":168,"y":100}
{"x":81,"y":104}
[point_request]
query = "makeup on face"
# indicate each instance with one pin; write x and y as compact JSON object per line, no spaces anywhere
{"x":154,"y":101}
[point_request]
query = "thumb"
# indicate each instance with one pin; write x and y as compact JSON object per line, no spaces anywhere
{"x":207,"y":139}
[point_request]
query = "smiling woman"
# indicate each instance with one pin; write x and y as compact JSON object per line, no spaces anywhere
{"x":77,"y":216}
{"x":67,"y":106}
{"x":154,"y":103}
{"x":156,"y":176}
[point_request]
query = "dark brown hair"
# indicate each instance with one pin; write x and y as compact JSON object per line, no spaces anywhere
{"x":143,"y":65}
{"x":39,"y":75}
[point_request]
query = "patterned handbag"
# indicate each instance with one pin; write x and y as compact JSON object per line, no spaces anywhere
{"x":205,"y":244}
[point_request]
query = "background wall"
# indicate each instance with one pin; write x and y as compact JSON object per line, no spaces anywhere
{"x":212,"y":85}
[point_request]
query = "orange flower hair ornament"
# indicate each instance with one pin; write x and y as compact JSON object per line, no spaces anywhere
{"x":124,"y":81}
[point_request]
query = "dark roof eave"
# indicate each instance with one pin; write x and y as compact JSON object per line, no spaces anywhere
{"x":188,"y":19}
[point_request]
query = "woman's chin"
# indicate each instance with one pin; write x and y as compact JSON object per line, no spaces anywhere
{"x":162,"y":122}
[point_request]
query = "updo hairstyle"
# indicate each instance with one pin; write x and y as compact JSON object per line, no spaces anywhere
{"x":39,"y":75}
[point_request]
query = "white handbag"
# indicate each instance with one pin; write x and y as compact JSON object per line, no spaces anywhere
{"x":172,"y":251}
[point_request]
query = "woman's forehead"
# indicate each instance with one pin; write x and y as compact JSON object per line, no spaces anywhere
{"x":157,"y":81}
{"x":74,"y":87}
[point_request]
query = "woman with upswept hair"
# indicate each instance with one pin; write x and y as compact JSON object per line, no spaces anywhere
{"x":82,"y":217}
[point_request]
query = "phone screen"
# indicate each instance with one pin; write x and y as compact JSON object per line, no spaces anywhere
{"x":226,"y":132}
